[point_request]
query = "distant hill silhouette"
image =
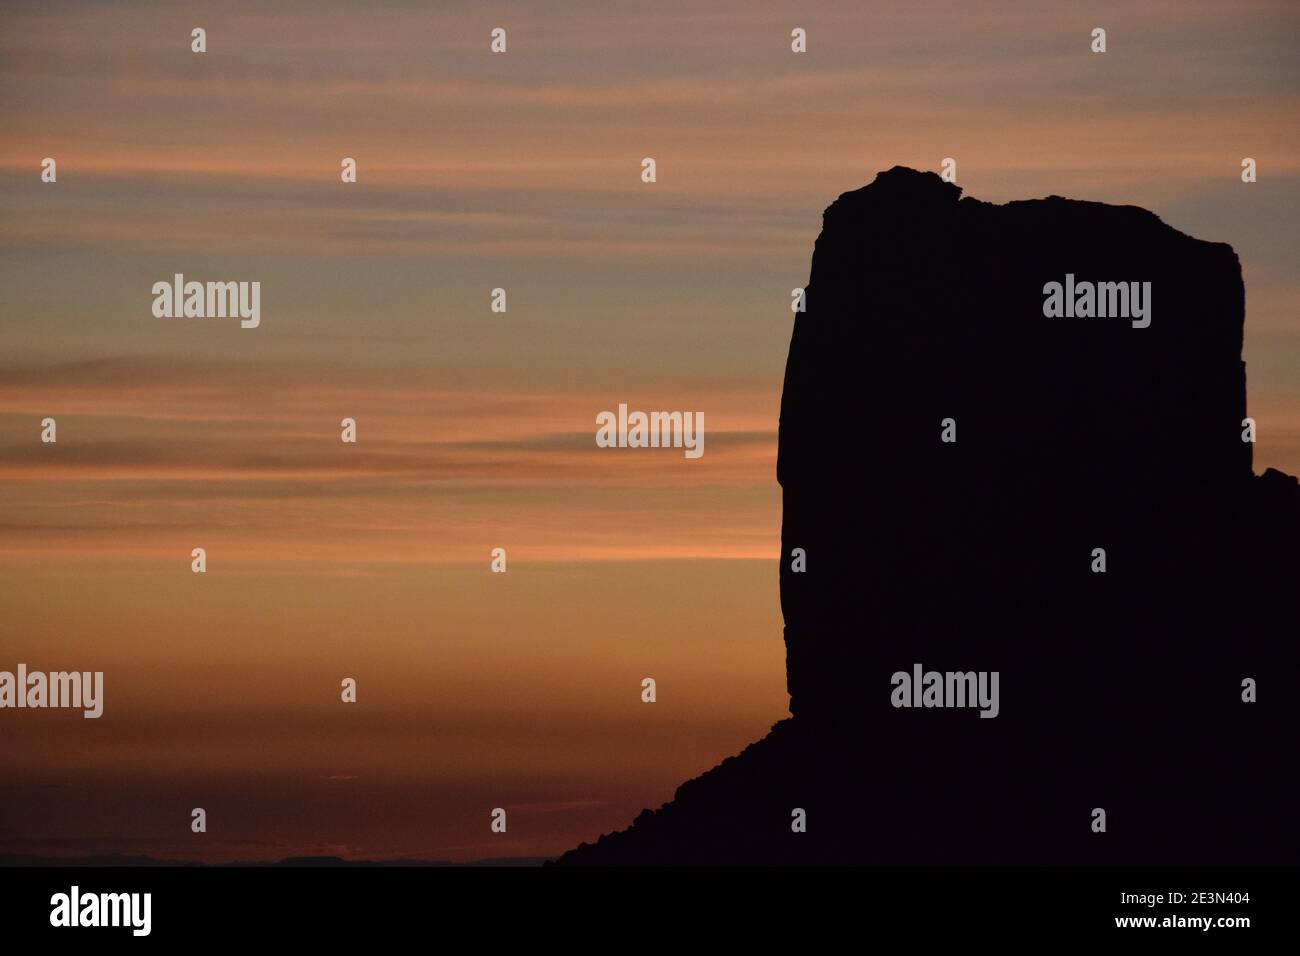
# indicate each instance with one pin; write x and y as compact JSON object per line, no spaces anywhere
{"x":126,"y":860}
{"x":1119,"y":690}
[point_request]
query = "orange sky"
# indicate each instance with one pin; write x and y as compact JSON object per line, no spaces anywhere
{"x":476,"y":430}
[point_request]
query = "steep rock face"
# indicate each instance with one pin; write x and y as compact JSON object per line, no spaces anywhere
{"x":1119,"y":690}
{"x":1072,"y":433}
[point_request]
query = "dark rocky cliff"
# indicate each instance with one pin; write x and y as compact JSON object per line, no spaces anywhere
{"x":1120,"y":690}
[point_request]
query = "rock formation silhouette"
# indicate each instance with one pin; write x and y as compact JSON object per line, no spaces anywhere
{"x":1120,"y":690}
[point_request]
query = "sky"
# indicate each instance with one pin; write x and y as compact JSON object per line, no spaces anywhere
{"x":476,"y":171}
